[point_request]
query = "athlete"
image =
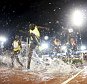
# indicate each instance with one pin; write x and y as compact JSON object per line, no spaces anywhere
{"x":34,"y":41}
{"x":16,"y":50}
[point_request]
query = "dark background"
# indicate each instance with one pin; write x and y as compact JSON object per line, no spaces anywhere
{"x":16,"y":15}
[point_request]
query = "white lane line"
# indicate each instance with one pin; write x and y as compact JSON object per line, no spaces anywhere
{"x":68,"y":80}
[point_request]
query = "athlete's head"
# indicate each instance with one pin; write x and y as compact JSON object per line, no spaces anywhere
{"x":16,"y":37}
{"x":32,"y":26}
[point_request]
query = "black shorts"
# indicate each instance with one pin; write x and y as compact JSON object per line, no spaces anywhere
{"x":16,"y":52}
{"x":33,"y":45}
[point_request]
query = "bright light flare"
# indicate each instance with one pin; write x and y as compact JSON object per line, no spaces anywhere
{"x":46,"y":37}
{"x":83,"y":47}
{"x":64,"y":48}
{"x":44,"y":46}
{"x":3,"y":39}
{"x":77,"y":18}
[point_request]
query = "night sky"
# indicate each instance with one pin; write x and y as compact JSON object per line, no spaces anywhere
{"x":16,"y":15}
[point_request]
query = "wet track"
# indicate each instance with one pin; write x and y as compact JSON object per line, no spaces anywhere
{"x":80,"y":79}
{"x":16,"y":76}
{"x":57,"y":72}
{"x":8,"y":76}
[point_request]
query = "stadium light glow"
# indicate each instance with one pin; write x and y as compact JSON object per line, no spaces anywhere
{"x":77,"y":17}
{"x":64,"y":48}
{"x":83,"y":47}
{"x":3,"y":39}
{"x":44,"y":46}
{"x":46,"y":37}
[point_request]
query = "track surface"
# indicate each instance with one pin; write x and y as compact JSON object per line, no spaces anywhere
{"x":16,"y":76}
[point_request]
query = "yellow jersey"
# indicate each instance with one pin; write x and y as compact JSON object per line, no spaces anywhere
{"x":16,"y":46}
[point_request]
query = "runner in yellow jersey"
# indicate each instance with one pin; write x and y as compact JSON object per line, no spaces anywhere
{"x":16,"y":50}
{"x":34,"y":41}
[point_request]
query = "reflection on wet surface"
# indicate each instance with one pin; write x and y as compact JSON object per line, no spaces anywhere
{"x":17,"y":76}
{"x":81,"y":78}
{"x":8,"y":76}
{"x":55,"y":73}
